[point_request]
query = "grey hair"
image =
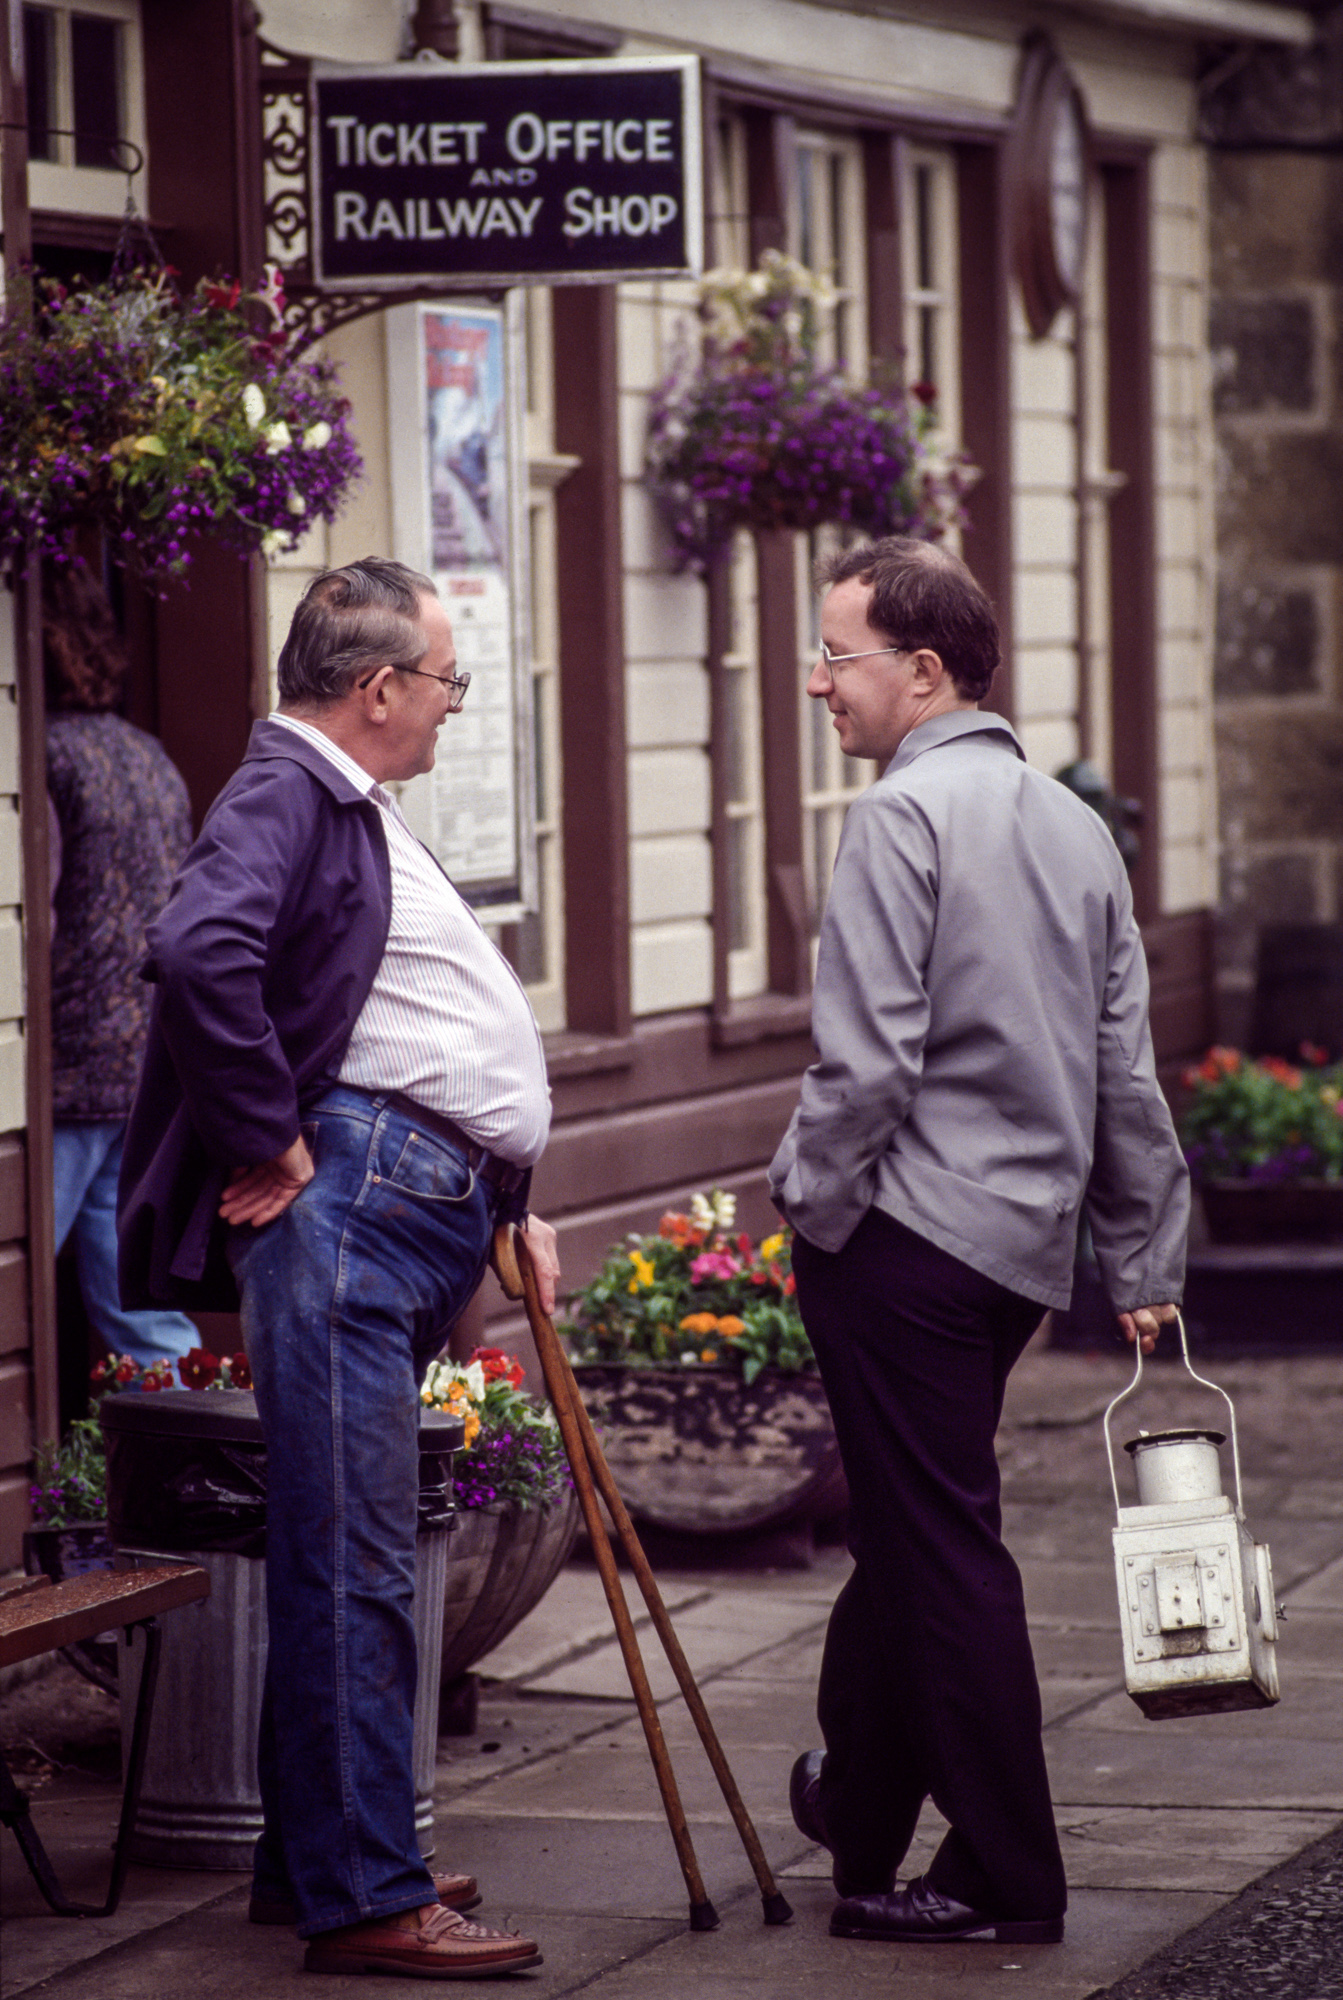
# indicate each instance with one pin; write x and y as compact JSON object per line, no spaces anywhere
{"x":348,"y":623}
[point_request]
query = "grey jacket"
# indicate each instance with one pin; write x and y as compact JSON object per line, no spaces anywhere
{"x":985,"y":1061}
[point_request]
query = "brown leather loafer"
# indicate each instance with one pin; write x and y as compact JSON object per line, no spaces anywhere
{"x":921,"y":1914}
{"x":445,"y":1946}
{"x":455,"y":1892}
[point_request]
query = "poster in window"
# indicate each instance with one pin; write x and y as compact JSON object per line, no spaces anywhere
{"x":456,"y":491}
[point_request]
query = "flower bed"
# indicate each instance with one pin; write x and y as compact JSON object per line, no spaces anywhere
{"x":697,"y":1294}
{"x":513,"y":1451}
{"x":1266,"y":1122}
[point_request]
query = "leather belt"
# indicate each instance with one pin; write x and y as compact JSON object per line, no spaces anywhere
{"x":501,"y":1174}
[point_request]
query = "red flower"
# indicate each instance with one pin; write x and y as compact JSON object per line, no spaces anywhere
{"x":1312,"y":1053}
{"x":126,"y":1369}
{"x":226,"y":296}
{"x":790,"y":1285}
{"x":153,"y":1381}
{"x":744,"y":1244}
{"x":198,"y":1369}
{"x":239,"y":1374}
{"x":98,"y":1371}
{"x":498,"y":1366}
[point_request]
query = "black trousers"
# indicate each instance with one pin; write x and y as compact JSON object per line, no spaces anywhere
{"x":928,"y":1686}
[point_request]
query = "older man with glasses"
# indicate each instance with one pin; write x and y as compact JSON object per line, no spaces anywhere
{"x":984,"y":1074}
{"x":345,"y":1090}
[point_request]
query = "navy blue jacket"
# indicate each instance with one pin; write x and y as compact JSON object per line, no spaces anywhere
{"x":263,"y":958}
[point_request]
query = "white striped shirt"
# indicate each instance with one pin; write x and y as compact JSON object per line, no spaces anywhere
{"x":446,"y":1021}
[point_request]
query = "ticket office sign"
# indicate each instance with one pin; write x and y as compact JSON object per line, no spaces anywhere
{"x":506,"y":173}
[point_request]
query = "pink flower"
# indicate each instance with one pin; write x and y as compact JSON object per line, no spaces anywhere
{"x":714,"y":1264}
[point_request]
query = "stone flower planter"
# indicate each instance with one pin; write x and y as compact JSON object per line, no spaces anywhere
{"x":697,"y":1450}
{"x":1240,"y":1211}
{"x":501,"y":1562}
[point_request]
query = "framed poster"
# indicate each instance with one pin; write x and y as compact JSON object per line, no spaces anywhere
{"x":458,"y":514}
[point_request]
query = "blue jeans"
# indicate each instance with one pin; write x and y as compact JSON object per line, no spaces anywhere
{"x":346,"y":1297}
{"x":87,"y":1160}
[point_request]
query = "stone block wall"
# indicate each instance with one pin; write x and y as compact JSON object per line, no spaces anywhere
{"x":1275,"y":320}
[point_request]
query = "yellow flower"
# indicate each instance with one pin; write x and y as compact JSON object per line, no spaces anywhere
{"x":643,"y":1271}
{"x":708,"y":1354}
{"x":772,"y":1247}
{"x":730,"y":1326}
{"x":472,"y":1422}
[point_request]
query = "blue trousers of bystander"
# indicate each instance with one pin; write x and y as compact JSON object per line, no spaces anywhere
{"x":87,"y":1159}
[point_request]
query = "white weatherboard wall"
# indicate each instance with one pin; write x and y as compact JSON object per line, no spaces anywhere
{"x":13,"y":1111}
{"x":666,"y":693}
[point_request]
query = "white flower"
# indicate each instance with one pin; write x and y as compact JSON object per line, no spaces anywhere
{"x":474,"y":1377}
{"x":700,"y":1212}
{"x":724,"y":1209}
{"x":278,"y":438}
{"x":254,"y":405}
{"x":688,"y":1357}
{"x":272,"y":542}
{"x":295,"y":503}
{"x":316,"y":436}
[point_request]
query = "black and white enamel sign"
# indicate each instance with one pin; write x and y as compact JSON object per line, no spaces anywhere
{"x":506,"y":173}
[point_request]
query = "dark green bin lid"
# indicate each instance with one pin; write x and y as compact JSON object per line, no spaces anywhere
{"x":229,"y":1416}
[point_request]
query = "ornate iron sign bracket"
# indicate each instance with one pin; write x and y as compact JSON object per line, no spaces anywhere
{"x":286,"y":151}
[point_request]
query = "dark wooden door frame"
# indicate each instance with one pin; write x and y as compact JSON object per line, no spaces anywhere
{"x":985,"y":287}
{"x":33,"y":828}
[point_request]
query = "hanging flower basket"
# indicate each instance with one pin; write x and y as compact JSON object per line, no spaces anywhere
{"x":758,"y":433}
{"x":159,"y":419}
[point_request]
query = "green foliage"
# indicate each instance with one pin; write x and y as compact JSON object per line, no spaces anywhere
{"x":70,"y":1482}
{"x":1266,"y":1121}
{"x":695,"y":1295}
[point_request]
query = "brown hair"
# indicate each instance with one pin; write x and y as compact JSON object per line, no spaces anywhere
{"x":923,"y":596}
{"x":83,"y":653}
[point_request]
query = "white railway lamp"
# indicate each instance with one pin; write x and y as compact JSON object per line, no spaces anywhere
{"x":1195,"y":1588}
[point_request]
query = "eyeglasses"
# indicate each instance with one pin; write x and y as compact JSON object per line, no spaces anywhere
{"x":458,"y":683}
{"x":835,"y":659}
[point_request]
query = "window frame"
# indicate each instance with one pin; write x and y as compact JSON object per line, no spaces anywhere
{"x":60,"y":184}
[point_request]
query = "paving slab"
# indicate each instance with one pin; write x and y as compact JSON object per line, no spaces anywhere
{"x":1089,"y":1766}
{"x":752,"y":1963}
{"x":552,"y":1801}
{"x":1190,"y":1847}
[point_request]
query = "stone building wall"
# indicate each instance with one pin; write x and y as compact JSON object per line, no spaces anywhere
{"x":1276,"y":336}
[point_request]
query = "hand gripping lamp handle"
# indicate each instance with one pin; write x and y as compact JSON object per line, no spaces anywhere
{"x":1203,"y":1383}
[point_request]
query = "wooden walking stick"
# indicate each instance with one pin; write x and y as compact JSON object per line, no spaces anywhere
{"x":516,"y":1273}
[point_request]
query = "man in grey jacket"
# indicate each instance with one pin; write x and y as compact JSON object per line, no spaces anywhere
{"x":984,"y":1073}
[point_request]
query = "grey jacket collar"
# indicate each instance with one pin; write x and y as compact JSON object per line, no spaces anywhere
{"x":946,"y":728}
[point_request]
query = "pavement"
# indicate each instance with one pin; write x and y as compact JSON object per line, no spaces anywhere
{"x":1169,"y":1829}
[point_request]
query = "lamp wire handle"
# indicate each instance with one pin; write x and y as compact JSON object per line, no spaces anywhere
{"x":1203,"y":1383}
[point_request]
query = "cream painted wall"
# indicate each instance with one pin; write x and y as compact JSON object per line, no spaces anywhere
{"x":1133,"y":83}
{"x":666,"y":692}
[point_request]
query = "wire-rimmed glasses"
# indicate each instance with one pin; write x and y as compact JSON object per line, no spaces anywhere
{"x":458,"y":683}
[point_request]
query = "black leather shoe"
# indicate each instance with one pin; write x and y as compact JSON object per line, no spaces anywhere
{"x":804,"y":1802}
{"x":920,"y":1914}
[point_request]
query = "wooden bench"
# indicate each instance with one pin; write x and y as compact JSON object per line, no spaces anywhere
{"x":36,"y":1616}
